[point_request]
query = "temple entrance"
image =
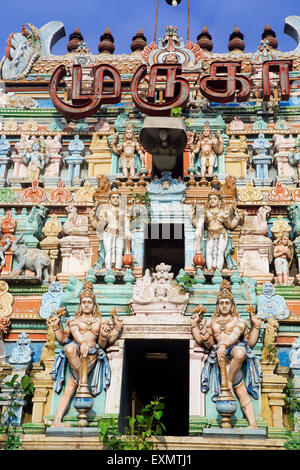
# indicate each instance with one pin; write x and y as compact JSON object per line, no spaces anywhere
{"x":157,"y":368}
{"x":164,"y":243}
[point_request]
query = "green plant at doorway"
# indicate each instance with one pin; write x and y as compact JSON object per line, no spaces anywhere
{"x":140,"y":433}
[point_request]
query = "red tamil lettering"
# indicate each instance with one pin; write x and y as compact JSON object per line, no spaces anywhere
{"x":87,"y":103}
{"x":223,"y":89}
{"x":282,"y":67}
{"x":176,"y":93}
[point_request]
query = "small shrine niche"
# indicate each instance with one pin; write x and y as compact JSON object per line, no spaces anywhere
{"x":164,"y":243}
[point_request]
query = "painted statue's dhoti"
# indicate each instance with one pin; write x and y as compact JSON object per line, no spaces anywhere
{"x":215,"y":250}
{"x":113,"y":246}
{"x":281,"y":266}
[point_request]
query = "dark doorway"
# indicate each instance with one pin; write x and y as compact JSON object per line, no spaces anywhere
{"x":157,"y":368}
{"x":164,"y":243}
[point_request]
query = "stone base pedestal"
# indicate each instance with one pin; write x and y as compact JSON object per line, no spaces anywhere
{"x":76,"y":256}
{"x":272,"y":396}
{"x":260,"y":278}
{"x":290,"y":281}
{"x":73,"y":432}
{"x":51,"y":182}
{"x":235,"y":433}
{"x":137,"y":271}
{"x":236,"y":164}
{"x":253,"y":257}
{"x":263,"y":181}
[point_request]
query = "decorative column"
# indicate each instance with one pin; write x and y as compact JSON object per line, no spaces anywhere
{"x":294,"y":357}
{"x":115,"y":356}
{"x":43,"y":384}
{"x":197,"y":397}
{"x":20,"y":361}
{"x":51,"y":243}
{"x":137,"y":246}
{"x":74,"y":161}
{"x":5,"y":160}
{"x":261,"y":161}
{"x":189,"y":238}
{"x":8,"y":227}
{"x":273,"y":385}
{"x":236,"y":158}
{"x":297,"y":252}
{"x":53,"y":150}
{"x":283,"y":146}
{"x":99,"y":160}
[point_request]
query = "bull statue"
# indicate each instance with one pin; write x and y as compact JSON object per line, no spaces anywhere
{"x":34,"y":259}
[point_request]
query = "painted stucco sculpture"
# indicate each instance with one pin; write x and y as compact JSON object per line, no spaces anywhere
{"x":51,"y":300}
{"x":33,"y":259}
{"x":229,"y":340}
{"x":112,"y":222}
{"x":270,"y":304}
{"x":216,"y":179}
{"x":210,"y":147}
{"x":158,"y":291}
{"x":217,"y":220}
{"x":127,"y":150}
{"x":84,"y":336}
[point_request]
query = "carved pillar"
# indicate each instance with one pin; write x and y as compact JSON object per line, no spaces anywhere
{"x":95,"y":243}
{"x":76,"y":257}
{"x":39,"y":400}
{"x":272,"y":396}
{"x":51,"y":242}
{"x":148,"y":162}
{"x":43,"y":392}
{"x":273,"y":385}
{"x":276,"y":403}
{"x":186,"y":161}
{"x":20,"y":169}
{"x":253,"y":257}
{"x":137,"y":246}
{"x":297,"y":252}
{"x":99,"y":160}
{"x":296,"y":374}
{"x":197,"y":398}
{"x":189,"y":237}
{"x":115,"y":356}
{"x":43,"y":384}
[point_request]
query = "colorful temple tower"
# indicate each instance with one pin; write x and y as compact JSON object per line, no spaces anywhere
{"x":150,"y":234}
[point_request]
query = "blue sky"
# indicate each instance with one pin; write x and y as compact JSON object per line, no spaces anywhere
{"x":124,"y":17}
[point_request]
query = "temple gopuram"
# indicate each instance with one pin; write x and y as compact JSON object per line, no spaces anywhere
{"x":150,"y":239}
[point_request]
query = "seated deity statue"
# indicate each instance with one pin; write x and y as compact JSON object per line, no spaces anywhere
{"x":85,"y":335}
{"x":127,"y":150}
{"x":76,"y":224}
{"x":227,"y":337}
{"x":236,"y":124}
{"x":215,"y":242}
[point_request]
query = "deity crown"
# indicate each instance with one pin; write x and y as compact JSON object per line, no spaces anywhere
{"x":87,"y":291}
{"x":215,"y":192}
{"x":225,"y":293}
